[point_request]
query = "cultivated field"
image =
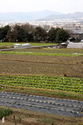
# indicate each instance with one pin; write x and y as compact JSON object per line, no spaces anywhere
{"x":41,"y":65}
{"x":45,"y":63}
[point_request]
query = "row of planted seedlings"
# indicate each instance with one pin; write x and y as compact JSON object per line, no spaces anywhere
{"x":52,"y":84}
{"x":27,"y":96}
{"x":51,"y":102}
{"x":15,"y":103}
{"x":46,"y":82}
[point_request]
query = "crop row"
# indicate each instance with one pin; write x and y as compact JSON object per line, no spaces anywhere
{"x":46,"y":82}
{"x":41,"y":108}
{"x":9,"y":94}
{"x":43,"y":101}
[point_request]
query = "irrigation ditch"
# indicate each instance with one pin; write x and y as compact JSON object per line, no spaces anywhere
{"x":56,"y":106}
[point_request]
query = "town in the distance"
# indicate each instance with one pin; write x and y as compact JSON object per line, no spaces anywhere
{"x":73,"y":23}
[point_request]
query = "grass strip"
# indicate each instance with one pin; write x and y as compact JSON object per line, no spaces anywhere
{"x":41,"y":54}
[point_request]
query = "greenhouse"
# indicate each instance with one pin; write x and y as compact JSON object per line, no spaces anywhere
{"x":27,"y":45}
{"x":75,"y":45}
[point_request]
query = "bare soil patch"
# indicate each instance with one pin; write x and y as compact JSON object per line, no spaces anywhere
{"x":41,"y":65}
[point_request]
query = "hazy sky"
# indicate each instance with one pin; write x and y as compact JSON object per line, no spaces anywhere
{"x":63,"y":6}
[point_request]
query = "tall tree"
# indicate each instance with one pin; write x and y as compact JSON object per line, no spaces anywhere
{"x":3,"y":32}
{"x":40,"y":34}
{"x":62,"y":36}
{"x":52,"y":34}
{"x":29,"y":32}
{"x":17,"y":34}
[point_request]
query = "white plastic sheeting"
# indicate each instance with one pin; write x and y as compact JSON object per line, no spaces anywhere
{"x":27,"y":45}
{"x":75,"y":45}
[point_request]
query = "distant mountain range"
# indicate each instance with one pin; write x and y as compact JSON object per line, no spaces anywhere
{"x":39,"y":15}
{"x":24,"y":16}
{"x":75,"y":15}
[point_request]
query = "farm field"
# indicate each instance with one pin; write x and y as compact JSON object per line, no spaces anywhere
{"x":41,"y":104}
{"x":44,"y":82}
{"x":58,"y":76}
{"x":41,"y":71}
{"x":22,"y":63}
{"x":24,"y":117}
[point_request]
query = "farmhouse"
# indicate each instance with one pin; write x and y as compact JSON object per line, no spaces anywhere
{"x":27,"y":45}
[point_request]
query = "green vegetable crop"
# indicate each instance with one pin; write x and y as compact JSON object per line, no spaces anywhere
{"x":46,"y":82}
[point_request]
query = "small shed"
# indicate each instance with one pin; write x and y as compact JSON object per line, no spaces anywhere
{"x":63,"y":45}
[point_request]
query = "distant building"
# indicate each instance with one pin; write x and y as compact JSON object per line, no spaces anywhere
{"x":77,"y":35}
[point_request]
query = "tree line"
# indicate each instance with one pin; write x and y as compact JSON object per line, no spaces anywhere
{"x":29,"y":33}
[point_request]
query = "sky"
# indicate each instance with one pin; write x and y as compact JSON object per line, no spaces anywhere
{"x":63,"y":6}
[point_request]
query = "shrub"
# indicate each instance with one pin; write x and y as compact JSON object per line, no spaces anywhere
{"x":5,"y":112}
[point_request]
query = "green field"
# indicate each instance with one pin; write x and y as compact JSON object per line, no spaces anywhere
{"x":43,"y":69}
{"x":74,"y":85}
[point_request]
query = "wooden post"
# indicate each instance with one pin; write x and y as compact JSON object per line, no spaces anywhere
{"x":15,"y":120}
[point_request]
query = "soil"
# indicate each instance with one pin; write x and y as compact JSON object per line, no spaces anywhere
{"x":41,"y":65}
{"x":23,"y":117}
